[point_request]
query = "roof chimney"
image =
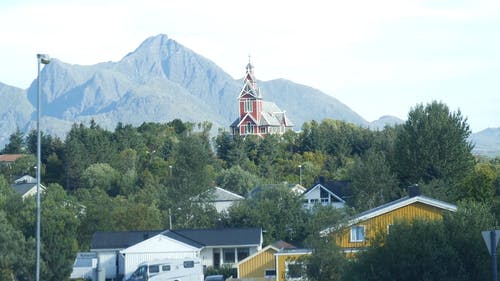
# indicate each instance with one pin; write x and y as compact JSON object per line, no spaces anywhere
{"x":322,"y":180}
{"x":414,"y":190}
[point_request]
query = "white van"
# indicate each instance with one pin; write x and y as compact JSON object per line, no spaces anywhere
{"x":169,"y":270}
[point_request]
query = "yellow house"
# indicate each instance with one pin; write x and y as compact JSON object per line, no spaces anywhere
{"x":288,"y":264}
{"x":259,"y":266}
{"x":357,"y":233}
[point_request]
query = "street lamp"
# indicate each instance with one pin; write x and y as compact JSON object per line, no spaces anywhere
{"x":300,"y":174}
{"x":170,"y":167}
{"x":41,"y":59}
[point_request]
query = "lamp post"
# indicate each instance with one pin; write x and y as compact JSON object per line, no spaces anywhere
{"x":300,"y":174}
{"x":41,"y":59}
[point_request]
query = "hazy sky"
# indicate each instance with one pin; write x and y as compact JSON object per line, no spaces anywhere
{"x":378,"y":57}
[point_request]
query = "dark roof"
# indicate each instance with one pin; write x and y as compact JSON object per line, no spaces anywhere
{"x":194,"y":237}
{"x":341,"y":188}
{"x":220,"y":236}
{"x":120,"y":239}
{"x":22,"y":188}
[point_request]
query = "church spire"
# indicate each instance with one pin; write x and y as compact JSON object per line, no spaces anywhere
{"x":249,"y":67}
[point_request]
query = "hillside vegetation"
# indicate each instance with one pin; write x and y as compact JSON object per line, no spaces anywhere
{"x":131,"y":177}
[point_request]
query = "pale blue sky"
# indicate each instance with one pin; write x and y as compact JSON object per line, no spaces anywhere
{"x":378,"y":57}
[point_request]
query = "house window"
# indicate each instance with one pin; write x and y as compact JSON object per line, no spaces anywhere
{"x":294,"y":271}
{"x":270,"y":273}
{"x":228,"y":255}
{"x":358,"y":233}
{"x":243,"y":253}
{"x":247,"y":104}
{"x":389,"y":226}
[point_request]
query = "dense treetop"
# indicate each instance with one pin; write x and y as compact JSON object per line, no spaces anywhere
{"x":136,"y":178}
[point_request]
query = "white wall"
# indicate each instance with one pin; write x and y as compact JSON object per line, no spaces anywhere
{"x":107,"y":261}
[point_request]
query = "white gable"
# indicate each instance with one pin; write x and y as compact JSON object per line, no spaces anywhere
{"x":159,"y":244}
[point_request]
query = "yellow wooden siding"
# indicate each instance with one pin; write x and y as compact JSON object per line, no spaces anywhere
{"x":281,"y":261}
{"x":381,"y":222}
{"x":255,"y":267}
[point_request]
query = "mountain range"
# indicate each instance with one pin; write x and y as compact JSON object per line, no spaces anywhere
{"x":160,"y":81}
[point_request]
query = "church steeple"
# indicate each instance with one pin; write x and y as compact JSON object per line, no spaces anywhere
{"x":250,"y":83}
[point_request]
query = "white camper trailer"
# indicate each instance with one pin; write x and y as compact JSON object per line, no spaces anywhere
{"x":169,"y":270}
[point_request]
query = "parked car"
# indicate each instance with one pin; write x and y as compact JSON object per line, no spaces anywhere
{"x":214,"y":278}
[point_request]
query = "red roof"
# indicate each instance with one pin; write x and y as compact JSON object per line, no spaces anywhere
{"x":10,"y":157}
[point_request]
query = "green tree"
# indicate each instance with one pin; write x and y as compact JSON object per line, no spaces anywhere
{"x":327,"y":262}
{"x":433,"y":144}
{"x":463,"y":229}
{"x":45,"y":144}
{"x":60,"y":221}
{"x":277,"y":210}
{"x":25,"y":165}
{"x":16,"y":143}
{"x":372,"y":181}
{"x":411,"y":251}
{"x":13,"y":254}
{"x":237,"y":180}
{"x":478,"y":184}
{"x":101,"y":175}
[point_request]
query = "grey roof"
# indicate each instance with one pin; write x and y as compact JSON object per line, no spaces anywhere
{"x":25,"y":184}
{"x":195,"y":237}
{"x":220,"y":236}
{"x":120,"y":239}
{"x":220,"y":195}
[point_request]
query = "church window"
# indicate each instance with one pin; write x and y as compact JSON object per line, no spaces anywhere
{"x":248,"y":105}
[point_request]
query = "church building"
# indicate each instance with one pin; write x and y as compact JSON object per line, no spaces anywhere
{"x":257,"y":117}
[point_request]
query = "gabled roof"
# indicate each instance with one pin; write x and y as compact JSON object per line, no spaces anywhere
{"x":394,"y":205}
{"x":25,"y":184}
{"x":221,"y":194}
{"x":195,"y":237}
{"x":245,"y":117}
{"x":120,"y":239}
{"x":402,"y":202}
{"x":220,"y":236}
{"x":276,"y":246}
{"x":339,"y":188}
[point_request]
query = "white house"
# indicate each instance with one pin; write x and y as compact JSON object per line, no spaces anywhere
{"x":26,"y":186}
{"x":223,"y":199}
{"x":329,"y":193}
{"x":119,"y":253}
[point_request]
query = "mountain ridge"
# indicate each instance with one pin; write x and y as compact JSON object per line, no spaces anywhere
{"x":157,"y":82}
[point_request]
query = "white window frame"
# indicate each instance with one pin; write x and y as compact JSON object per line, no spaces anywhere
{"x":266,"y":275}
{"x":354,"y":233}
{"x":287,"y":263}
{"x":248,"y":105}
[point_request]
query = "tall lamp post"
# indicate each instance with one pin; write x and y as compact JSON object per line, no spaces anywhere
{"x":42,"y":59}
